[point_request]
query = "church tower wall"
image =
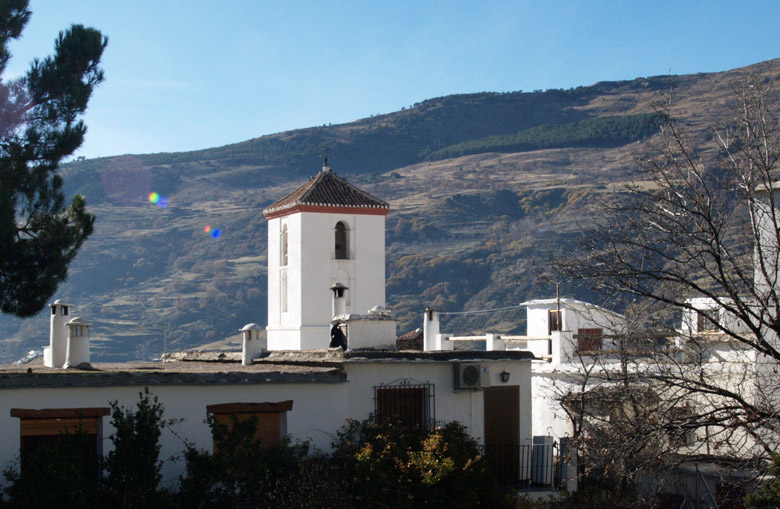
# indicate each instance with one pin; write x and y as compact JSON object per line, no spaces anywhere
{"x":325,"y":244}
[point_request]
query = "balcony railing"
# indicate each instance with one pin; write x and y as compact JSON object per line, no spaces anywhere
{"x":525,"y":467}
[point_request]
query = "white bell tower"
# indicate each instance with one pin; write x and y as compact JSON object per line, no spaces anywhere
{"x":325,"y":232}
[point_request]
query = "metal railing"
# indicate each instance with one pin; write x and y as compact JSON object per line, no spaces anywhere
{"x":525,"y":467}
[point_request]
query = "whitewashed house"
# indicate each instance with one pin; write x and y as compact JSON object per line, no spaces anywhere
{"x":326,"y":270}
{"x":564,"y":333}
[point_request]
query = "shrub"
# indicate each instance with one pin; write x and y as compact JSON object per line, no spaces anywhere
{"x":393,"y":466}
{"x":56,"y":476}
{"x":133,"y":466}
{"x":242,"y":472}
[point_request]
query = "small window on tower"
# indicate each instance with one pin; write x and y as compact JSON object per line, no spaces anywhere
{"x":283,"y":291}
{"x":64,"y":310}
{"x":342,"y":249}
{"x":284,"y":246}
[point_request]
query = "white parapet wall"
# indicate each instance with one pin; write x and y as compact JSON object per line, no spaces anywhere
{"x":369,"y":331}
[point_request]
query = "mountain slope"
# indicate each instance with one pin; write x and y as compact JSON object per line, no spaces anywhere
{"x":468,"y":229}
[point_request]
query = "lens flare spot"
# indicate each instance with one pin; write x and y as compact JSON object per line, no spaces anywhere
{"x":154,"y":197}
{"x":162,"y":202}
{"x":216,"y":233}
{"x":207,"y":229}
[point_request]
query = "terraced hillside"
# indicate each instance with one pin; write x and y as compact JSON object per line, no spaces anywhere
{"x":484,"y":188}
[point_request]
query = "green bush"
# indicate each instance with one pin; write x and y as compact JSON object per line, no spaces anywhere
{"x":768,"y":494}
{"x":392,"y":466}
{"x":68,"y":475}
{"x":242,"y":472}
{"x":133,"y":466}
{"x":608,"y":131}
{"x":56,"y":476}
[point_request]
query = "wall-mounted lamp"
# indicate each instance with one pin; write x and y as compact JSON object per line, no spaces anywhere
{"x":504,"y":376}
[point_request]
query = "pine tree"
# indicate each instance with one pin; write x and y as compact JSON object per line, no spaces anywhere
{"x":39,"y":126}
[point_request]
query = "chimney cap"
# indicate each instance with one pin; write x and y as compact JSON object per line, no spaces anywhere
{"x":76,"y":320}
{"x":59,"y":302}
{"x":250,"y":326}
{"x":338,"y":286}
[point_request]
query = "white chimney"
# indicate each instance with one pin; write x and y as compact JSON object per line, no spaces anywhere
{"x":251,"y":344}
{"x":54,"y":354}
{"x":430,"y":329}
{"x":339,"y":299}
{"x":78,"y":344}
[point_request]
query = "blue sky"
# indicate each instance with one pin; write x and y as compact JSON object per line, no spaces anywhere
{"x":190,"y":74}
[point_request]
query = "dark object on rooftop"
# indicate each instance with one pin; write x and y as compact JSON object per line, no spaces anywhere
{"x":337,"y":338}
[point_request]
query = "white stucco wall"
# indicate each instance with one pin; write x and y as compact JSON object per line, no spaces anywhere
{"x":767,"y":249}
{"x":575,"y":315}
{"x":367,"y":332}
{"x":689,"y":323}
{"x":467,"y":407}
{"x":313,"y":268}
{"x":318,"y":409}
{"x":554,"y":377}
{"x":549,"y":418}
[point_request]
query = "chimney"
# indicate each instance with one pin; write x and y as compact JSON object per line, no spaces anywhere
{"x":54,"y":354}
{"x":251,"y":344}
{"x":430,"y":329}
{"x":77,"y":355}
{"x":339,"y":299}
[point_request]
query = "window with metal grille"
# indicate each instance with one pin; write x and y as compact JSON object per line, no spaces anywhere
{"x":406,"y":403}
{"x":707,"y":320}
{"x":681,"y":426}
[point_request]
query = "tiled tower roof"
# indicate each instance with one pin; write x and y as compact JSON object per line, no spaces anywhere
{"x":327,"y":191}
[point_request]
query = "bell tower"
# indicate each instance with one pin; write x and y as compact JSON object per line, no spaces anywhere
{"x":324,"y":233}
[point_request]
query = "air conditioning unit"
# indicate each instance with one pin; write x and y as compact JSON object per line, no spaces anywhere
{"x":471,"y":375}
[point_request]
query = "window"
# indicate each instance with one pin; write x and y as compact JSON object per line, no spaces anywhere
{"x":589,"y":340}
{"x":271,"y":418}
{"x":706,"y":320}
{"x":408,"y":404}
{"x":554,"y":321}
{"x":283,"y":243}
{"x":342,"y":249}
{"x":283,"y":291}
{"x":681,"y":431}
{"x":49,"y":427}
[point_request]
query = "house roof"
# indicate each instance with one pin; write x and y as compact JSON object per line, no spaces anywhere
{"x":410,"y":341}
{"x":323,"y":193}
{"x":568,"y":303}
{"x":225,"y":368}
{"x":337,"y":357}
{"x":214,"y":371}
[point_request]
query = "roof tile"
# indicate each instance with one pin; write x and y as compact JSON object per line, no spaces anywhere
{"x":327,"y":189}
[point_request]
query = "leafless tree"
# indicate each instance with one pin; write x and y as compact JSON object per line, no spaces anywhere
{"x":698,"y":225}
